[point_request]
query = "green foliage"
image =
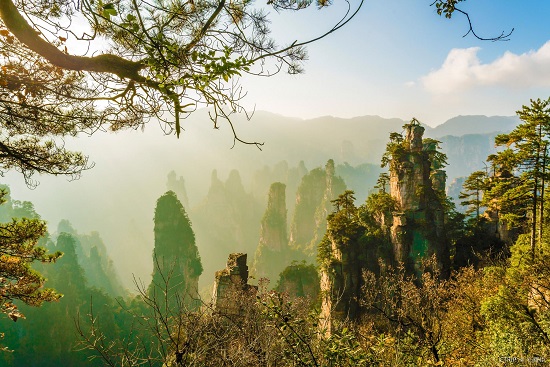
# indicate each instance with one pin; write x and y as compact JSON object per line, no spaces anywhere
{"x":446,"y":7}
{"x":343,"y":225}
{"x":175,"y":255}
{"x":432,"y":149}
{"x":395,"y":150}
{"x":383,"y":182}
{"x":517,"y":315}
{"x":474,"y":186}
{"x":363,"y":231}
{"x":299,"y":280}
{"x":18,"y":250}
{"x":381,"y":203}
{"x":172,"y":227}
{"x":523,"y":169}
{"x":342,"y":348}
{"x":48,"y":331}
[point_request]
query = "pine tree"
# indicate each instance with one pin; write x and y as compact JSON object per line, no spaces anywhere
{"x":528,"y":157}
{"x":473,"y":192}
{"x":18,"y":250}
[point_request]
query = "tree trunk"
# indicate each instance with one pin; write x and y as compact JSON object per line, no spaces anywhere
{"x":105,"y":63}
{"x":534,"y":218}
{"x":543,"y":183}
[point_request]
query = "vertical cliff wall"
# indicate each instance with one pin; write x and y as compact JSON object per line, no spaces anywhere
{"x":313,"y":204}
{"x":272,"y":253}
{"x":417,"y":183}
{"x":177,"y":264}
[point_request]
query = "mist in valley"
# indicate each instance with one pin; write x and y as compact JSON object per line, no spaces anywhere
{"x":224,"y":185}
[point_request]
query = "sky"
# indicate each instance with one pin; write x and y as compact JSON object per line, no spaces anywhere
{"x":400,"y":59}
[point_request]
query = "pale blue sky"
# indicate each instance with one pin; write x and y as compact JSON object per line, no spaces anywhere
{"x":399,"y":59}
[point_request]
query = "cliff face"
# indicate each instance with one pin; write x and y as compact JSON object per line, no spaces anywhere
{"x":272,"y":251}
{"x":344,"y":253}
{"x":406,"y":224}
{"x":417,"y":184}
{"x":231,"y":288}
{"x":177,"y":185}
{"x":313,"y":203}
{"x":228,"y":220}
{"x":176,"y":257}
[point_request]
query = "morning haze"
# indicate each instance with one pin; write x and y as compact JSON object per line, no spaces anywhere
{"x":281,"y":183}
{"x":117,"y":197}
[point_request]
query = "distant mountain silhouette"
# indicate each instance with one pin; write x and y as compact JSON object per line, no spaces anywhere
{"x":355,"y":144}
{"x":475,"y":124}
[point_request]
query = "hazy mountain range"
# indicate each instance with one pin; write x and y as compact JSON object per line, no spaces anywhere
{"x":118,"y":196}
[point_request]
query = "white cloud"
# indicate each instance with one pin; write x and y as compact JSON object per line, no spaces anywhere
{"x":463,"y":70}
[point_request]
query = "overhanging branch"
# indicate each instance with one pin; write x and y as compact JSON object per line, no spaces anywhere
{"x":26,"y":34}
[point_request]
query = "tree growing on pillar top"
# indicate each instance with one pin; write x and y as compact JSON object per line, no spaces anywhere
{"x":177,"y":263}
{"x":417,"y":183}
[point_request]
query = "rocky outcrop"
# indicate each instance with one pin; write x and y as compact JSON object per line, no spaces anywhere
{"x":299,"y":280}
{"x":313,"y":203}
{"x":404,"y":225}
{"x":177,"y":264}
{"x":177,"y":185}
{"x":231,"y":286}
{"x":272,"y":252}
{"x":417,"y":183}
{"x":228,"y":220}
{"x":344,"y":254}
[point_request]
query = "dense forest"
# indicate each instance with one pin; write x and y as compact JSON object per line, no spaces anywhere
{"x":401,"y":279}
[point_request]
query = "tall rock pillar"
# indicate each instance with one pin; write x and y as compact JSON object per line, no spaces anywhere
{"x":272,"y":252}
{"x":417,"y":183}
{"x":177,"y":264}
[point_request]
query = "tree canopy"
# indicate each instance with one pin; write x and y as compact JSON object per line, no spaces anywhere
{"x":70,"y":67}
{"x":142,"y":60}
{"x":18,"y":250}
{"x":526,"y":159}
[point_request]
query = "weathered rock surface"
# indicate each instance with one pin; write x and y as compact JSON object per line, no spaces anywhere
{"x":272,"y":253}
{"x":231,"y":285}
{"x":417,"y":183}
{"x":313,"y":203}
